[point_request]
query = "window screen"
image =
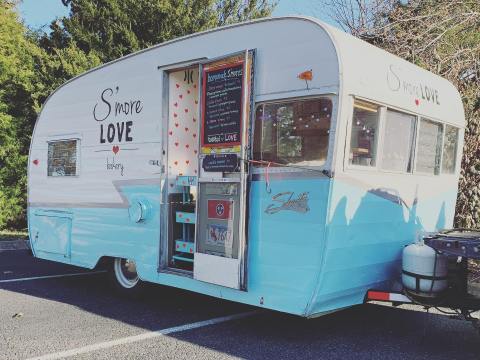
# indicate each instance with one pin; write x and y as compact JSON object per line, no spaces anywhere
{"x":429,"y":147}
{"x":293,"y":132}
{"x":450,"y":149}
{"x":364,"y":136}
{"x":398,"y":141}
{"x":62,"y":158}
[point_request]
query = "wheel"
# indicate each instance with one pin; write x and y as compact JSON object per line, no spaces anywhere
{"x":124,"y":277}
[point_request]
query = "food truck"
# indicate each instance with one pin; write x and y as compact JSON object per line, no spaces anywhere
{"x":280,"y":163}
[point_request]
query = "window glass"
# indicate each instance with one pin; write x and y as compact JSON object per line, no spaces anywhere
{"x":293,"y":132}
{"x":429,"y":147}
{"x":449,"y":149}
{"x":62,"y":158}
{"x":363,"y":143}
{"x":397,"y":152}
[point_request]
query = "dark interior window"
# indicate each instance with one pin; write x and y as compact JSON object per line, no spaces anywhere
{"x":62,"y":158}
{"x":293,"y":132}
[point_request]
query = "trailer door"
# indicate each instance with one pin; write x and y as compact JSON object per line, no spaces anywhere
{"x":226,"y":108}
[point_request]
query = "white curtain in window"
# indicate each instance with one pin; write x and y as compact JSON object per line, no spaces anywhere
{"x":398,"y":141}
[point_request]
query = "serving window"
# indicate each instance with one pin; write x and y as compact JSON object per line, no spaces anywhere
{"x":293,"y":132}
{"x":364,"y":134}
{"x":62,"y":158}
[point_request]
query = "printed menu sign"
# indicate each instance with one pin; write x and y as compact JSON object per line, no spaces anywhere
{"x":222,"y":105}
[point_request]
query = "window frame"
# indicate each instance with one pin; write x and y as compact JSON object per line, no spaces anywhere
{"x":77,"y":140}
{"x":256,"y":169}
{"x":381,"y":139}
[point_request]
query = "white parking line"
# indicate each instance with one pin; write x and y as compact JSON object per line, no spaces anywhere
{"x":50,"y":276}
{"x":141,"y":337}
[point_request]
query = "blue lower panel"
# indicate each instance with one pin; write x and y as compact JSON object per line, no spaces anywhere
{"x":97,"y":232}
{"x":281,"y":274}
{"x":367,"y":231}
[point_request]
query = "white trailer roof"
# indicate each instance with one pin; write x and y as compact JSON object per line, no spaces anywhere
{"x":286,"y":47}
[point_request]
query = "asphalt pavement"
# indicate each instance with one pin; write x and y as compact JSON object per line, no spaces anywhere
{"x":53,"y":311}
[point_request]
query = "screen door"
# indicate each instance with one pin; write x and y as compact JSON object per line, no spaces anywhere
{"x":226,"y":107}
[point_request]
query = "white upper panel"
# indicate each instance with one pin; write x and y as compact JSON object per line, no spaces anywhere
{"x":372,"y":73}
{"x":116,"y":110}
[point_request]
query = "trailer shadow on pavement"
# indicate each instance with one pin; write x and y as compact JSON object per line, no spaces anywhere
{"x":67,"y":312}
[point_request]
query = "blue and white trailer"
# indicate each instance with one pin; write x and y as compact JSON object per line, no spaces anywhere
{"x":280,"y":163}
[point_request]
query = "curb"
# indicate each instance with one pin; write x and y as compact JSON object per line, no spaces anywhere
{"x":14,"y":245}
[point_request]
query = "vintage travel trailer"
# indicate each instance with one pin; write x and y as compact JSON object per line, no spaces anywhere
{"x":280,"y":163}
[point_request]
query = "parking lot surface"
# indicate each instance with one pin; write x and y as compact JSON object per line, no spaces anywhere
{"x":54,"y":311}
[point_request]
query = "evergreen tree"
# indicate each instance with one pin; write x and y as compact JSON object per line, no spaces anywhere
{"x":114,"y":28}
{"x":27,"y":76}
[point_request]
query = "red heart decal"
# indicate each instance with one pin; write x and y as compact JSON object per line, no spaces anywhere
{"x":187,"y":162}
{"x":180,"y":215}
{"x":194,"y":120}
{"x":115,"y":149}
{"x":195,"y":86}
{"x":188,"y":91}
{"x":196,"y":101}
{"x":187,"y":146}
{"x":35,"y":162}
{"x":176,"y":124}
{"x":176,"y":104}
{"x":195,"y":151}
{"x":195,"y":171}
{"x":170,"y":132}
{"x":181,"y":174}
{"x":180,"y":96}
{"x":417,"y":102}
{"x":175,"y":115}
{"x":177,"y":86}
{"x":186,"y":110}
{"x":186,"y":129}
{"x":176,"y":162}
{"x":194,"y":135}
{"x":176,"y":144}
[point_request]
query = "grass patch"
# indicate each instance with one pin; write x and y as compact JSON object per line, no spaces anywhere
{"x":6,"y":235}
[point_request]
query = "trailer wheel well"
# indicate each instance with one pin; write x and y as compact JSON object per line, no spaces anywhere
{"x":104,"y":262}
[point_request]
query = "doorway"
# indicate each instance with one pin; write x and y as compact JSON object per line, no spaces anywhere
{"x":182,"y":166}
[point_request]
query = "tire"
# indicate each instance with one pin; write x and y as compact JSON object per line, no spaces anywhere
{"x":124,"y":278}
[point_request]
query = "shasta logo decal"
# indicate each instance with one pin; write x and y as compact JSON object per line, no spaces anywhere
{"x":288,"y":201}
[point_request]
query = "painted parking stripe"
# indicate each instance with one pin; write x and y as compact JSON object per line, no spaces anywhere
{"x":142,"y":337}
{"x":51,"y":276}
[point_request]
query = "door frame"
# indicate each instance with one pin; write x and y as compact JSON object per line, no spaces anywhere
{"x":162,"y":263}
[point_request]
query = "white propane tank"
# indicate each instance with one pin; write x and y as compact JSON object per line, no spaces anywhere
{"x":424,"y":272}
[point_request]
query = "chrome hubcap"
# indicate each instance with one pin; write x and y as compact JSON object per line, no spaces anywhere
{"x":126,"y":272}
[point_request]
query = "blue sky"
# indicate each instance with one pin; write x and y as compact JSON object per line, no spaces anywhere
{"x":39,"y":13}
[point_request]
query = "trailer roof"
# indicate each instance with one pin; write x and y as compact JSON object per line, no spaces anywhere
{"x":367,"y":72}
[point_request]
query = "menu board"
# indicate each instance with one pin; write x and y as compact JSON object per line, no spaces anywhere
{"x":222,"y":105}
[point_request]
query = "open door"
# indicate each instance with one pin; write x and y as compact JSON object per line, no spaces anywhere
{"x":226,"y":107}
